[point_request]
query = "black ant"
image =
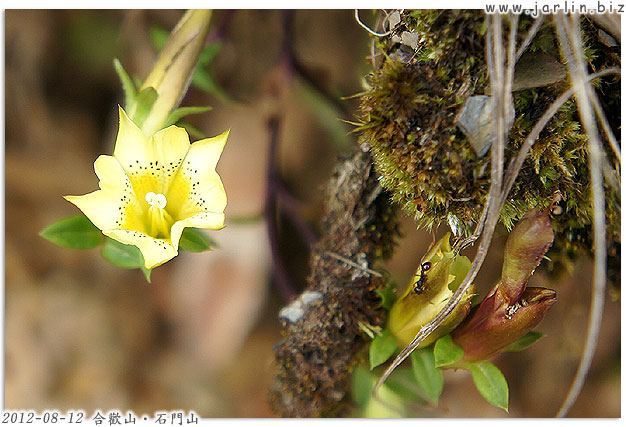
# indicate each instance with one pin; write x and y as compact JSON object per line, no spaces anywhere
{"x":419,"y":285}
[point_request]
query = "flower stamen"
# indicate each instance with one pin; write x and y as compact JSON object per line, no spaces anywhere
{"x":160,"y":221}
{"x":157,"y":200}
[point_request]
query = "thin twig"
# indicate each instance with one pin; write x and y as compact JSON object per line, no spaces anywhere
{"x":368,"y":29}
{"x":611,"y":176}
{"x":568,"y":32}
{"x":285,"y":287}
{"x":354,"y":264}
{"x":529,"y":37}
{"x":604,"y":123}
{"x":291,"y":207}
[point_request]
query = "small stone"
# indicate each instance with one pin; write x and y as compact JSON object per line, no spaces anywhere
{"x":537,"y":70}
{"x":475,"y":122}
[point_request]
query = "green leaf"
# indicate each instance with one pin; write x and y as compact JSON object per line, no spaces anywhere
{"x":158,"y":37}
{"x":181,"y":112}
{"x":193,"y":131}
{"x":194,"y":240}
{"x":325,"y":113}
{"x":209,"y":52}
{"x":381,"y":349}
{"x":402,"y":382}
{"x":428,"y":377}
{"x":524,"y":342}
{"x":143,"y":104}
{"x":203,"y":80}
{"x":387,"y":297}
{"x":128,"y":87}
{"x":388,"y":404}
{"x":146,"y":272}
{"x":124,"y":256}
{"x":446,"y":351}
{"x":490,"y":382}
{"x":121,"y":255}
{"x":75,"y":232}
{"x":363,"y":383}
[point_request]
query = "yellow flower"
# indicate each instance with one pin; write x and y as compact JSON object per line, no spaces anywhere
{"x":151,"y":189}
{"x":440,"y":274}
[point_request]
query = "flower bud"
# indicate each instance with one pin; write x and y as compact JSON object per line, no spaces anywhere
{"x":174,"y":67}
{"x":528,"y":242}
{"x":496,"y":323}
{"x":439,"y":275}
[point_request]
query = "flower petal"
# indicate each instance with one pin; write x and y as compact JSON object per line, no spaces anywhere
{"x":101,"y":207}
{"x":114,"y":205}
{"x":197,"y":187}
{"x":155,"y":251}
{"x":206,"y":220}
{"x":150,"y":164}
{"x":131,"y":144}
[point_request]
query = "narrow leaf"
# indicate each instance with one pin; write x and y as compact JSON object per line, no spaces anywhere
{"x":193,"y":131}
{"x":146,"y":272}
{"x":381,"y":349}
{"x":203,"y":80}
{"x":428,"y":377}
{"x":491,"y":383}
{"x":181,"y":112}
{"x":121,"y":255}
{"x":524,"y":342}
{"x":127,"y":84}
{"x":158,"y":36}
{"x":446,"y":351}
{"x":209,"y":52}
{"x":75,"y":232}
{"x":143,"y":105}
{"x":194,"y":240}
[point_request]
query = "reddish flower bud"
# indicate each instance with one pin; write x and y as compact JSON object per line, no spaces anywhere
{"x":496,"y":323}
{"x":510,"y":310}
{"x":528,"y":242}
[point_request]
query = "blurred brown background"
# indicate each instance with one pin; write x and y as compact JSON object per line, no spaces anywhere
{"x":81,"y":333}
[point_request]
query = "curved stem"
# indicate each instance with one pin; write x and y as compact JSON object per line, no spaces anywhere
{"x":368,"y":29}
{"x":569,"y":36}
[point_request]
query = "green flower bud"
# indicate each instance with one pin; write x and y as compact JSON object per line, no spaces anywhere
{"x":528,"y":242}
{"x":496,"y":323}
{"x":439,"y":275}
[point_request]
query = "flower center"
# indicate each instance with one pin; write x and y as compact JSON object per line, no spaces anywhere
{"x":157,"y":200}
{"x":158,"y":219}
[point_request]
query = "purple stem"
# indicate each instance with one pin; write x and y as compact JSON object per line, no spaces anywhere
{"x":291,"y":208}
{"x":285,"y":287}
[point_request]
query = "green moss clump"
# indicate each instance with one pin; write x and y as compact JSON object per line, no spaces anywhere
{"x":408,"y":121}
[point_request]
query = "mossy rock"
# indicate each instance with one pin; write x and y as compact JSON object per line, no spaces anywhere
{"x":408,"y":117}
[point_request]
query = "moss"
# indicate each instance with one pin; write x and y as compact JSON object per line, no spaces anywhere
{"x":408,"y":121}
{"x":320,"y":348}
